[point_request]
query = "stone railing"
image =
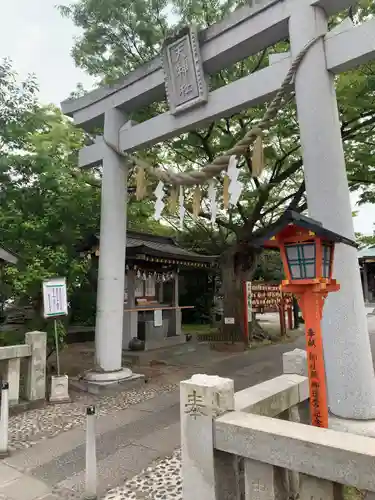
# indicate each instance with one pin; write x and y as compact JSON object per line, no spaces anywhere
{"x":34,"y":353}
{"x":252,"y":446}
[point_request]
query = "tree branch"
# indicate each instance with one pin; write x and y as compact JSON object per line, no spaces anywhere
{"x":353,"y":120}
{"x":287,"y":173}
{"x":205,"y":145}
{"x":348,"y":133}
{"x":241,"y":212}
{"x":220,"y":222}
{"x":297,"y":197}
{"x":90,"y":181}
{"x":280,"y":161}
{"x":260,"y":60}
{"x":281,"y":202}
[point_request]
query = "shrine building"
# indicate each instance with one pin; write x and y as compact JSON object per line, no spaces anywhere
{"x":155,"y":270}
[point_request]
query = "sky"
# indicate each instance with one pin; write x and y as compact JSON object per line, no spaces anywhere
{"x":38,"y":40}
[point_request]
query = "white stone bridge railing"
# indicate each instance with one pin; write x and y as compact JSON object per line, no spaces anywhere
{"x":252,"y":445}
{"x":33,"y":351}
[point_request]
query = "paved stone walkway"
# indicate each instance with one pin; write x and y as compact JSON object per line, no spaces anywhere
{"x":134,"y":429}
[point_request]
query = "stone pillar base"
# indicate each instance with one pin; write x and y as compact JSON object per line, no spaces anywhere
{"x":96,"y":382}
{"x":105,"y":378}
{"x":359,"y":427}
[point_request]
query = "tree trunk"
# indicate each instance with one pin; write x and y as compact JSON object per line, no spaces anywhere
{"x":238,"y":266}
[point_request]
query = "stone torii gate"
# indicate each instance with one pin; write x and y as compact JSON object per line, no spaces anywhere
{"x":350,"y":374}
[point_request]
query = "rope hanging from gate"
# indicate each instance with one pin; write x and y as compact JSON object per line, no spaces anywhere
{"x":220,"y":163}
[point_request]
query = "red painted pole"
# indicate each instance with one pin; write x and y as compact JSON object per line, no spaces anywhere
{"x":312,"y":306}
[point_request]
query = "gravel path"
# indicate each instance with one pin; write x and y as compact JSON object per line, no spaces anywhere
{"x":161,"y":481}
{"x":27,"y":429}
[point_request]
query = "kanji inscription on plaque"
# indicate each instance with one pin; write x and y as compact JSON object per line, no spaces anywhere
{"x":184,"y":79}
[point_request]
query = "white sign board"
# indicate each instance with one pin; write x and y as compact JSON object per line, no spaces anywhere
{"x":229,"y":321}
{"x":55,"y":301}
{"x":158,"y":317}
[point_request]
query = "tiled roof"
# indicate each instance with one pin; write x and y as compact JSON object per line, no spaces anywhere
{"x":6,"y":256}
{"x":366,"y":253}
{"x":165,"y":249}
{"x":154,"y":245}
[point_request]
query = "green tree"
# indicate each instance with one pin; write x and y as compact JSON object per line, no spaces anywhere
{"x":46,"y":205}
{"x":44,"y":208}
{"x":120,"y":35}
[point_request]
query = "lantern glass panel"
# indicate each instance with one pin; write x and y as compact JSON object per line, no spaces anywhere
{"x":326,"y":260}
{"x":301,"y":260}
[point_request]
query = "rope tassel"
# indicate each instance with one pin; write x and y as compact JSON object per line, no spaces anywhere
{"x":226,"y":191}
{"x":172,"y":203}
{"x":197,"y":201}
{"x":140,"y":179}
{"x":257,"y":160}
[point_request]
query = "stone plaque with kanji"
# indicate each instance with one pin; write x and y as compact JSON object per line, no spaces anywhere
{"x":184,"y":79}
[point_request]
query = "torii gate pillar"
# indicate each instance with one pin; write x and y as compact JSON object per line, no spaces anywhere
{"x":347,"y":351}
{"x":111,"y":277}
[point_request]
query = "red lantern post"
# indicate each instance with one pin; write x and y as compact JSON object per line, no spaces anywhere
{"x":307,"y":251}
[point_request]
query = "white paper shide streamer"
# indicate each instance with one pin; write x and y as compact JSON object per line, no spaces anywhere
{"x":235,"y":186}
{"x":159,"y":204}
{"x":212,"y":197}
{"x":182,"y":208}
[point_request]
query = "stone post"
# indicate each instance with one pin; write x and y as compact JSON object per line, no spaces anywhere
{"x":264,"y":481}
{"x":314,"y":487}
{"x":13,"y":378}
{"x":36,"y":371}
{"x":111,"y":274}
{"x":206,"y":474}
{"x":350,"y":373}
{"x":295,"y":362}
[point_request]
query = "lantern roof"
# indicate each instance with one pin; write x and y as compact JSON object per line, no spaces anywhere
{"x":294,"y":224}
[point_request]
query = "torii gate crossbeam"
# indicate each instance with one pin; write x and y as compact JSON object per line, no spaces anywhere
{"x":350,"y":375}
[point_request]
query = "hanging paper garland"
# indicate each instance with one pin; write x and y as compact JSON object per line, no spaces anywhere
{"x":235,"y":187}
{"x":144,"y":274}
{"x":159,"y":204}
{"x":212,"y":198}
